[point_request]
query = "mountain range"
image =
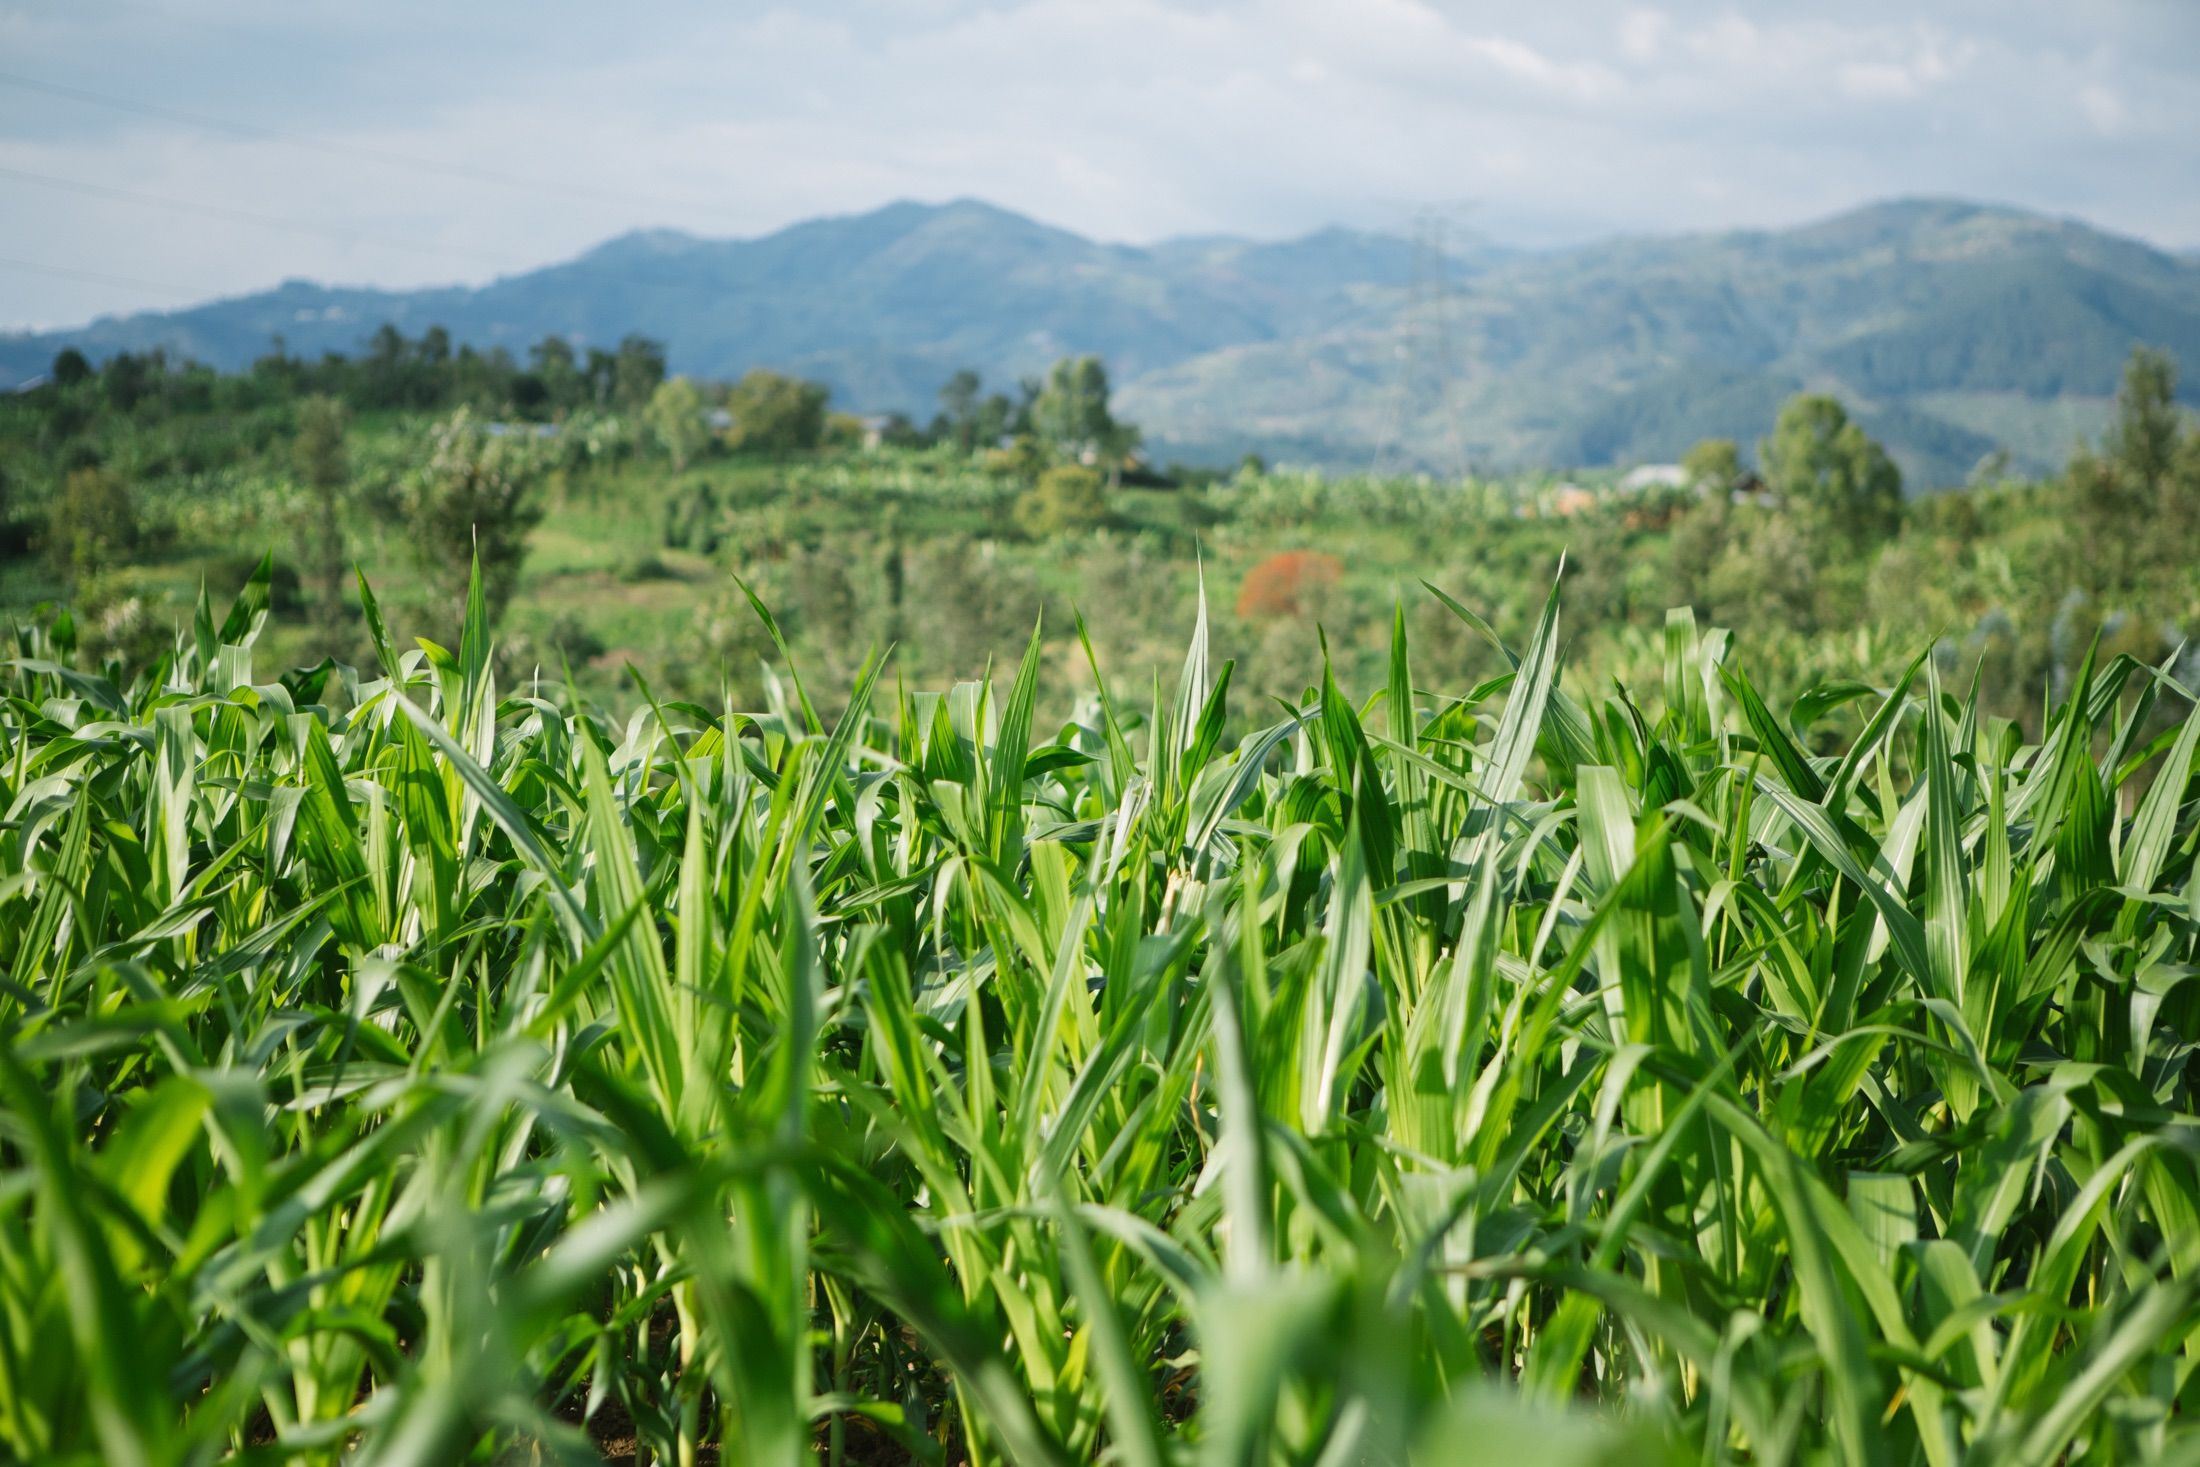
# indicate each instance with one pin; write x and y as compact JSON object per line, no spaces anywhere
{"x":1953,"y":329}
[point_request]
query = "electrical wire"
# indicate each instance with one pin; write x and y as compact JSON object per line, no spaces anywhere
{"x":446,"y":169}
{"x":97,"y":277}
{"x":247,"y":216}
{"x":507,"y":263}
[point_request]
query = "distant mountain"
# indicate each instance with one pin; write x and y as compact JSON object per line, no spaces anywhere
{"x":1951,"y":328}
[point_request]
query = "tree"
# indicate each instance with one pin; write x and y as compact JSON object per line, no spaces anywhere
{"x":1766,"y":575}
{"x":318,"y":458}
{"x":1023,"y":458}
{"x":2143,"y":439}
{"x":959,"y":408}
{"x":92,"y":524}
{"x":675,"y":418}
{"x":2106,"y":511}
{"x":551,"y":360}
{"x":71,"y":367}
{"x":127,"y":379}
{"x":1713,"y":466}
{"x":1831,"y":475}
{"x":996,"y":418}
{"x":898,"y":432}
{"x":1071,"y":411}
{"x":435,"y":347}
{"x":2136,"y":501}
{"x":601,"y":376}
{"x":637,"y":370}
{"x":1067,"y":499}
{"x":386,"y":371}
{"x":774,"y":413}
{"x":475,"y":497}
{"x":843,"y":430}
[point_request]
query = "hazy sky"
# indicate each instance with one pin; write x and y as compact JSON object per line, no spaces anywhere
{"x":399,"y":143}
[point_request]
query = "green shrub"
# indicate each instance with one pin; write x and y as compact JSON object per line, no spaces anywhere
{"x":675,"y":418}
{"x":647,"y":565}
{"x":474,"y":502}
{"x":1069,"y":499}
{"x":774,"y":413}
{"x":93,"y":523}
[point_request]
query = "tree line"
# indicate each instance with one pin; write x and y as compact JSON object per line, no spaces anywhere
{"x":1793,"y":534}
{"x":1066,"y":411}
{"x":392,"y":373}
{"x":473,"y":489}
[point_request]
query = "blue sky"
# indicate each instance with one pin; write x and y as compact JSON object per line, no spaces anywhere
{"x":401,"y":143}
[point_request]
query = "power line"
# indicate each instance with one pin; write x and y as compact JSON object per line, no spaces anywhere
{"x":247,"y":216}
{"x":465,"y":171}
{"x":32,"y":267}
{"x":298,"y":226}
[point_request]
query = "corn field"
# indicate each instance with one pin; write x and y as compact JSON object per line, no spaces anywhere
{"x":399,"y":1069}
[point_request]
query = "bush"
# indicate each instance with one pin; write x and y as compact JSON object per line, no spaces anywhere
{"x":473,"y":499}
{"x":321,"y":462}
{"x":1765,"y":575}
{"x":1024,"y":458}
{"x":842,"y":430}
{"x":1067,"y":500}
{"x":93,"y":523}
{"x":773,"y":413}
{"x":646,"y":566}
{"x":675,"y":417}
{"x":117,"y":621}
{"x":691,"y":519}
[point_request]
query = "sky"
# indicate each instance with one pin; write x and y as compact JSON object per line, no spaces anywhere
{"x":157,"y":152}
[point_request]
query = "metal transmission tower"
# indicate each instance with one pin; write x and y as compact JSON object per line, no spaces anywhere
{"x":1428,"y":364}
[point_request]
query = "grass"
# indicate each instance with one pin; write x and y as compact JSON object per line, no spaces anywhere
{"x":397,"y":1069}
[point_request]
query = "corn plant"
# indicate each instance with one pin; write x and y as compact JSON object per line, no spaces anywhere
{"x":399,"y":1069}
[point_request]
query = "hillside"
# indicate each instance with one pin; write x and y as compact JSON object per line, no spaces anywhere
{"x":1954,"y":328}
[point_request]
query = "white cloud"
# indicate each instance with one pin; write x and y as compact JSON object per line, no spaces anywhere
{"x":1872,"y":80}
{"x":2103,"y":109}
{"x":1642,"y":34}
{"x":1587,"y":81}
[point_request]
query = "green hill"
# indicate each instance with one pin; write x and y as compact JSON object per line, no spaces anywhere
{"x":1953,"y":328}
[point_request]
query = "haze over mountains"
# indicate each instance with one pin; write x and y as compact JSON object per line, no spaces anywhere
{"x":1952,"y":328}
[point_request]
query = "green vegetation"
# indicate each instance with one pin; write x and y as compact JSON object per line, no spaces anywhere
{"x":617,"y":532}
{"x":675,"y":417}
{"x":1072,"y":412}
{"x":1838,"y":483}
{"x":663,"y":1026}
{"x":398,"y":1065}
{"x":472,"y":504}
{"x":1949,"y":329}
{"x":92,"y":525}
{"x":776,"y":414}
{"x":321,"y":465}
{"x":1067,"y":499}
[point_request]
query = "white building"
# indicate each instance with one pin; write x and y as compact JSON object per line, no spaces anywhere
{"x":1653,"y":476}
